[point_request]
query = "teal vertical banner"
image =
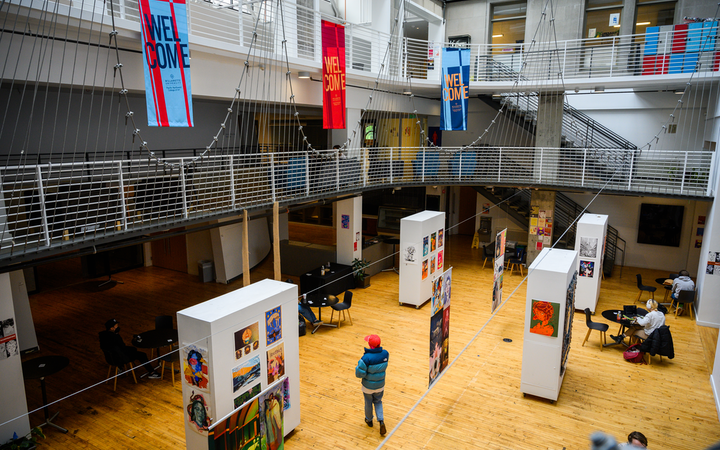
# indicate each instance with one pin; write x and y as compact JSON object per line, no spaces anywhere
{"x":455,"y":87}
{"x":166,"y":57}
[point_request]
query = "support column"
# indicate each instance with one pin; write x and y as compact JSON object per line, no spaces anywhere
{"x":348,"y":228}
{"x":548,"y":135}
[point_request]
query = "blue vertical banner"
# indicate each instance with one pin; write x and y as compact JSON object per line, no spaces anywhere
{"x":166,"y":59}
{"x":455,"y":86}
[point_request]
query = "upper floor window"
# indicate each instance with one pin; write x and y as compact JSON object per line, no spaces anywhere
{"x":603,"y":18}
{"x":653,"y":14}
{"x":508,"y":27}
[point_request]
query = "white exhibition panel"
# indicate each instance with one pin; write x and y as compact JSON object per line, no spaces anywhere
{"x":212,"y":325}
{"x":227,"y":248}
{"x":591,"y":227}
{"x":14,"y":402}
{"x":413,"y":289}
{"x":548,"y":280}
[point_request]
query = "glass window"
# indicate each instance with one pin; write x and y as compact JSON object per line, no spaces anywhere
{"x":598,"y":22}
{"x":508,"y":27}
{"x":653,"y":15}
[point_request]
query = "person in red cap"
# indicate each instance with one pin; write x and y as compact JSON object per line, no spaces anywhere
{"x":371,"y":368}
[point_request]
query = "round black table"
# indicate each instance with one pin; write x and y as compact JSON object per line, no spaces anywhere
{"x":668,"y":287}
{"x":319,"y":302}
{"x":156,"y":338}
{"x":611,"y":315}
{"x":38,"y":369}
{"x":393,"y":242}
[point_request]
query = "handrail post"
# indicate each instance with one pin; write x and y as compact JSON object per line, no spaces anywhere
{"x":422,"y":178}
{"x":41,"y":194}
{"x":391,"y":165}
{"x":307,"y":174}
{"x":460,"y":166}
{"x":366,"y":167}
{"x":632,"y":163}
{"x":182,"y":187}
{"x":272,"y":175}
{"x":564,"y":64}
{"x":232,"y":183}
{"x":499,"y":162}
{"x":612,"y":55}
{"x":337,"y":170}
{"x":541,"y":165}
{"x":121,"y":182}
{"x":682,"y":180}
{"x":712,"y":173}
{"x":582,"y":180}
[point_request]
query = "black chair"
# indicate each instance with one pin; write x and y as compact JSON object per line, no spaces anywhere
{"x":169,"y":358}
{"x":687,"y":299}
{"x":658,"y":343}
{"x":601,"y":327}
{"x":517,"y":261}
{"x":116,"y":360}
{"x":489,"y":253}
{"x":650,"y":289}
{"x":342,"y":308}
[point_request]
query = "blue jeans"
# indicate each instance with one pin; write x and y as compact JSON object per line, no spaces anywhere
{"x":307,"y":312}
{"x":374,"y":399}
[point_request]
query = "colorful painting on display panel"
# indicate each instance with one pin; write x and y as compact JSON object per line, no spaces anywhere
{"x":440,"y":325}
{"x":499,"y":265}
{"x":275,"y":363}
{"x":545,"y":318}
{"x":195,"y":367}
{"x":247,"y":340}
{"x":8,"y":339}
{"x":272,"y":417}
{"x":273,"y":325}
{"x":246,"y":373}
{"x":198,"y":413}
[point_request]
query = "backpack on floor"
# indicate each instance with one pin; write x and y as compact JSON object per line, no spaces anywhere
{"x":634,"y":355}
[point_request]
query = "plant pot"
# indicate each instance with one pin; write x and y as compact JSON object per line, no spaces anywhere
{"x":364,"y":283}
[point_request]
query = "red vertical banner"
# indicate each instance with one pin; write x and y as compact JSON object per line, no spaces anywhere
{"x":333,"y":55}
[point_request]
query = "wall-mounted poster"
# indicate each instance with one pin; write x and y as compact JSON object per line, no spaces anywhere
{"x":275,"y":363}
{"x":425,"y":269}
{"x":545,"y":318}
{"x":587,"y":268}
{"x":440,"y":238}
{"x":247,"y":395}
{"x":438,"y":298}
{"x":240,"y":430}
{"x":246,"y":373}
{"x":447,"y":281}
{"x":432,"y":265}
{"x":273,"y":325}
{"x":426,"y":246}
{"x":345,"y":221}
{"x":286,"y":399}
{"x":440,"y":260}
{"x":435,"y":345}
{"x":433,"y":242}
{"x":246,"y":340}
{"x":701,"y":220}
{"x":198,"y":413}
{"x":588,"y":247}
{"x":498,"y":273}
{"x":445,"y":338}
{"x":272,"y":418}
{"x":195,"y":367}
{"x":410,"y":253}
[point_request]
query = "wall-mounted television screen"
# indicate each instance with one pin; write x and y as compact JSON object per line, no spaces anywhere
{"x":660,"y":224}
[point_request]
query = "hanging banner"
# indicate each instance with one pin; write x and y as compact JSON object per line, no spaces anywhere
{"x":455,"y":86}
{"x":166,"y":60}
{"x":333,"y":59}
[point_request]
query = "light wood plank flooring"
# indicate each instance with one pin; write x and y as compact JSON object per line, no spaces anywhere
{"x":477,"y":403}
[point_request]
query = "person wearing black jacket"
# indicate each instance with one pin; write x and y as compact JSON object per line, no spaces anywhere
{"x":110,"y":341}
{"x":659,"y":343}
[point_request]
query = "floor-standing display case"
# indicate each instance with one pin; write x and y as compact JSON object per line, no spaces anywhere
{"x":590,"y":244}
{"x":234,"y":346}
{"x":548,"y":322}
{"x":422,"y":255}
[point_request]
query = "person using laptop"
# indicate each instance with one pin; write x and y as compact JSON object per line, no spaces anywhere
{"x":644,"y":326}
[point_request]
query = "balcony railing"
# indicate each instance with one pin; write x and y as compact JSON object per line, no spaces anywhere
{"x":230,"y":25}
{"x":51,"y":206}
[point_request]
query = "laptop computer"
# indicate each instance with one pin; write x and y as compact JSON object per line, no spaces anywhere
{"x":630,"y":310}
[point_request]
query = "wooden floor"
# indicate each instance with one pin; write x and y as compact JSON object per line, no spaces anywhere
{"x":477,"y":404}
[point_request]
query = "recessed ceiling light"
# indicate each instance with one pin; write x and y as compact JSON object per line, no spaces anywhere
{"x":498,"y":35}
{"x":303,"y":74}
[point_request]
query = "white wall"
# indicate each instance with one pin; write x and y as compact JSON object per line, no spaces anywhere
{"x":624,"y":215}
{"x":199,"y":248}
{"x":227,"y":248}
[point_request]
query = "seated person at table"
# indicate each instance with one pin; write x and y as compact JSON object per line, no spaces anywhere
{"x":307,"y":313}
{"x":110,"y":341}
{"x":644,"y":326}
{"x":681,"y":283}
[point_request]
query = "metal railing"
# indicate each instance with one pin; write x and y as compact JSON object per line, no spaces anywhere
{"x":56,"y":205}
{"x":229,"y":27}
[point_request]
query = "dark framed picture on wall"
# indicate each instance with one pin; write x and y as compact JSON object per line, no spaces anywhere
{"x":660,"y":224}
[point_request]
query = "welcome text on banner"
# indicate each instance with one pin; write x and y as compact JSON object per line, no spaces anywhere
{"x":455,"y":84}
{"x":166,"y":61}
{"x":333,"y":52}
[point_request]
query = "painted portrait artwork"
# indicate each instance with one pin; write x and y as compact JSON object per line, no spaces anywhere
{"x":545,"y":318}
{"x":195,"y":367}
{"x":273,"y":325}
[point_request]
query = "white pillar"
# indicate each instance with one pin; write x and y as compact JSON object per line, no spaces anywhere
{"x":348,"y":228}
{"x":14,"y":403}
